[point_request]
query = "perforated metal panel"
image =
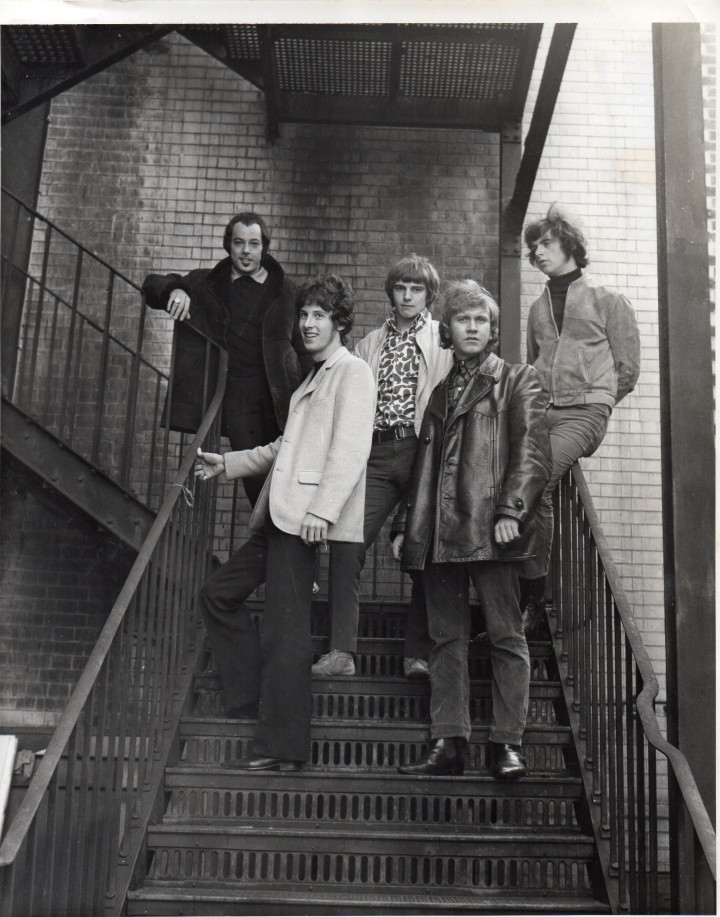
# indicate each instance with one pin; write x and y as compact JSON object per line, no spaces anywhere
{"x":45,"y":44}
{"x":242,"y":42}
{"x":333,"y":67}
{"x":459,"y":70}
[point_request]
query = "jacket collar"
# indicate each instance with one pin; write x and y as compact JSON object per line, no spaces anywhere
{"x":486,"y":376}
{"x":311,"y":382}
{"x":274,"y":280}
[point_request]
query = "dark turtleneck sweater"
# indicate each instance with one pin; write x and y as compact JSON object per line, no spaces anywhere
{"x":558,"y":287}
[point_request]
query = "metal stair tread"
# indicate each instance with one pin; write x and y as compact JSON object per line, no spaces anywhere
{"x":448,"y":900}
{"x":385,"y":684}
{"x":209,"y":725}
{"x":524,"y":843}
{"x":179,"y":775}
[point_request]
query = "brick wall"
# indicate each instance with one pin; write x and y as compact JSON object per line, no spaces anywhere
{"x":599,"y":163}
{"x":59,"y":578}
{"x":170,"y":143}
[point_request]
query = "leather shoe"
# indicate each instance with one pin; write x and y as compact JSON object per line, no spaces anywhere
{"x":508,"y":761}
{"x":438,"y":762}
{"x":262,"y":763}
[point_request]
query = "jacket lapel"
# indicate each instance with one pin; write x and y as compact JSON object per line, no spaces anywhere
{"x":481,"y":383}
{"x":310,"y":383}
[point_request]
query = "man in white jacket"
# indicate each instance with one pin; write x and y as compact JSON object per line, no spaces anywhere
{"x":314,"y":494}
{"x":407,"y":362}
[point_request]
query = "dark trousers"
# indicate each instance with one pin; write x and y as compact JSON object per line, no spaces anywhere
{"x":388,"y":471}
{"x":447,"y":595}
{"x":273,"y":669}
{"x":249,"y":419}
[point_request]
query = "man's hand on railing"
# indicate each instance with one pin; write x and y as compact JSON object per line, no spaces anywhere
{"x":208,"y":465}
{"x":179,"y":305}
{"x":397,"y":546}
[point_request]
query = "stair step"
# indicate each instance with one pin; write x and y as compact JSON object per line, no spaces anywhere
{"x":368,"y":746}
{"x":161,"y":899}
{"x":309,"y":798}
{"x":387,"y":699}
{"x":330,"y":857}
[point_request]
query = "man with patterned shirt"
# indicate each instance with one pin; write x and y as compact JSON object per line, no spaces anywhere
{"x":407,"y":361}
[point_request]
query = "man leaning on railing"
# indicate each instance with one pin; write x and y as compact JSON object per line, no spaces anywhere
{"x":246,"y":303}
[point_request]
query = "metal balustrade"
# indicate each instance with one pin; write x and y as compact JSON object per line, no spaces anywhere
{"x":611,"y":688}
{"x":74,"y":843}
{"x":92,"y":368}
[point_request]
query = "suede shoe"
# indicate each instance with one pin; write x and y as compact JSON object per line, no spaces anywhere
{"x":335,"y":662}
{"x":508,"y":761}
{"x":416,"y":668}
{"x":438,"y":762}
{"x":534,"y":619}
{"x":262,"y":763}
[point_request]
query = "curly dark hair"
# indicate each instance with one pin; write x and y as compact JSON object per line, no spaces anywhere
{"x":335,"y":295}
{"x":247,"y":218}
{"x":464,"y":294}
{"x":572,"y":240}
{"x":414,"y":269}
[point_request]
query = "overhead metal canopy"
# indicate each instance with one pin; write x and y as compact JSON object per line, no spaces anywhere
{"x":449,"y":76}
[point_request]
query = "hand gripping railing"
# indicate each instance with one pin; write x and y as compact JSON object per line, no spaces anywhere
{"x":74,"y":842}
{"x":89,"y":366}
{"x":611,"y":688}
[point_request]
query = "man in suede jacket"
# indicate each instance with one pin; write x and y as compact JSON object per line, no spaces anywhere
{"x":246,"y":304}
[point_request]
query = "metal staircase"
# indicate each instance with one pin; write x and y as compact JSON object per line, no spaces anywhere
{"x":349,"y":834}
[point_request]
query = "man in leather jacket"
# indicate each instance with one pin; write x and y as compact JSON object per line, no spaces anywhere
{"x":482,"y":462}
{"x":246,"y":304}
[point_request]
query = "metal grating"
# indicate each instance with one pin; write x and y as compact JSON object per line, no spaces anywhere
{"x":483,"y":72}
{"x":387,"y":870}
{"x":372,"y":808}
{"x":332,"y":66}
{"x":242,"y":42}
{"x":55,"y":44}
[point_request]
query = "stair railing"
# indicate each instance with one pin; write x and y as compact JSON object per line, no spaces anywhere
{"x":78,"y":834}
{"x":610,"y":686}
{"x":90,"y":366}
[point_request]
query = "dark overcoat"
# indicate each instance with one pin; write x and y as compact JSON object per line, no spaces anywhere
{"x":283,"y":352}
{"x":490,"y":457}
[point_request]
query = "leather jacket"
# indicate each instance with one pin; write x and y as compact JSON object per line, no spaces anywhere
{"x":490,"y":457}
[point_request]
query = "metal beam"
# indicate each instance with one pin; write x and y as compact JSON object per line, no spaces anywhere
{"x":550,"y":84}
{"x":113,"y":508}
{"x":509,"y":267}
{"x":686,"y":437}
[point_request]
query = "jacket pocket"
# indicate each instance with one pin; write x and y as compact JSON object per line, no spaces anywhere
{"x":309,"y":477}
{"x":582,"y":362}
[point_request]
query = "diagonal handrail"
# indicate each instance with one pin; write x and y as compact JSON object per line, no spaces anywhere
{"x":611,"y":688}
{"x":108,"y":751}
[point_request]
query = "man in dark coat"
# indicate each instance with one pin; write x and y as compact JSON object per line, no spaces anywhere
{"x":246,"y":304}
{"x":482,"y":462}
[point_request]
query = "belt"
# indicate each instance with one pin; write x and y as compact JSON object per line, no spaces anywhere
{"x":386,"y":436}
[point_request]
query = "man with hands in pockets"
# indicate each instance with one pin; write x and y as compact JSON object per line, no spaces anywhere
{"x":314,"y":493}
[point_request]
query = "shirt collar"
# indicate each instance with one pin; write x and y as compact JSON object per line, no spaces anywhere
{"x":417,"y":323}
{"x":260,"y":277}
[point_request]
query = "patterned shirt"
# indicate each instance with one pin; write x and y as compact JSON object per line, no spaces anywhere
{"x":398,"y":375}
{"x":460,"y":375}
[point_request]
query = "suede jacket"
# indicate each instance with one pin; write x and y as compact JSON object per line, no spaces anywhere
{"x":283,"y":352}
{"x":596,"y":359}
{"x":435,"y":362}
{"x":490,"y":457}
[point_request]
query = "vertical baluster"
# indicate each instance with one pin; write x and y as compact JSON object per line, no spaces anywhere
{"x":374,"y":570}
{"x":233,"y":517}
{"x":168,"y":415}
{"x":70,"y":344}
{"x":594,"y":654}
{"x":602,"y":756}
{"x":556,"y":567}
{"x":49,"y":386}
{"x":654,"y":896}
{"x":142,"y":711}
{"x":566,"y":574}
{"x":153,"y":435}
{"x":575,"y":600}
{"x":74,"y":393}
{"x":11,"y":268}
{"x":642,"y":839}
{"x":81,"y":829}
{"x":631,"y":727}
{"x":32,"y":368}
{"x":174,"y":556}
{"x":585,"y":635}
{"x":620,"y":737}
{"x":103,"y":372}
{"x":613,"y":793}
{"x":131,"y":415}
{"x":61,"y":879}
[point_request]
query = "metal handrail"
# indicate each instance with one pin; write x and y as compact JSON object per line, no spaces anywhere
{"x":609,"y":678}
{"x":82,"y":368}
{"x":105,"y":760}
